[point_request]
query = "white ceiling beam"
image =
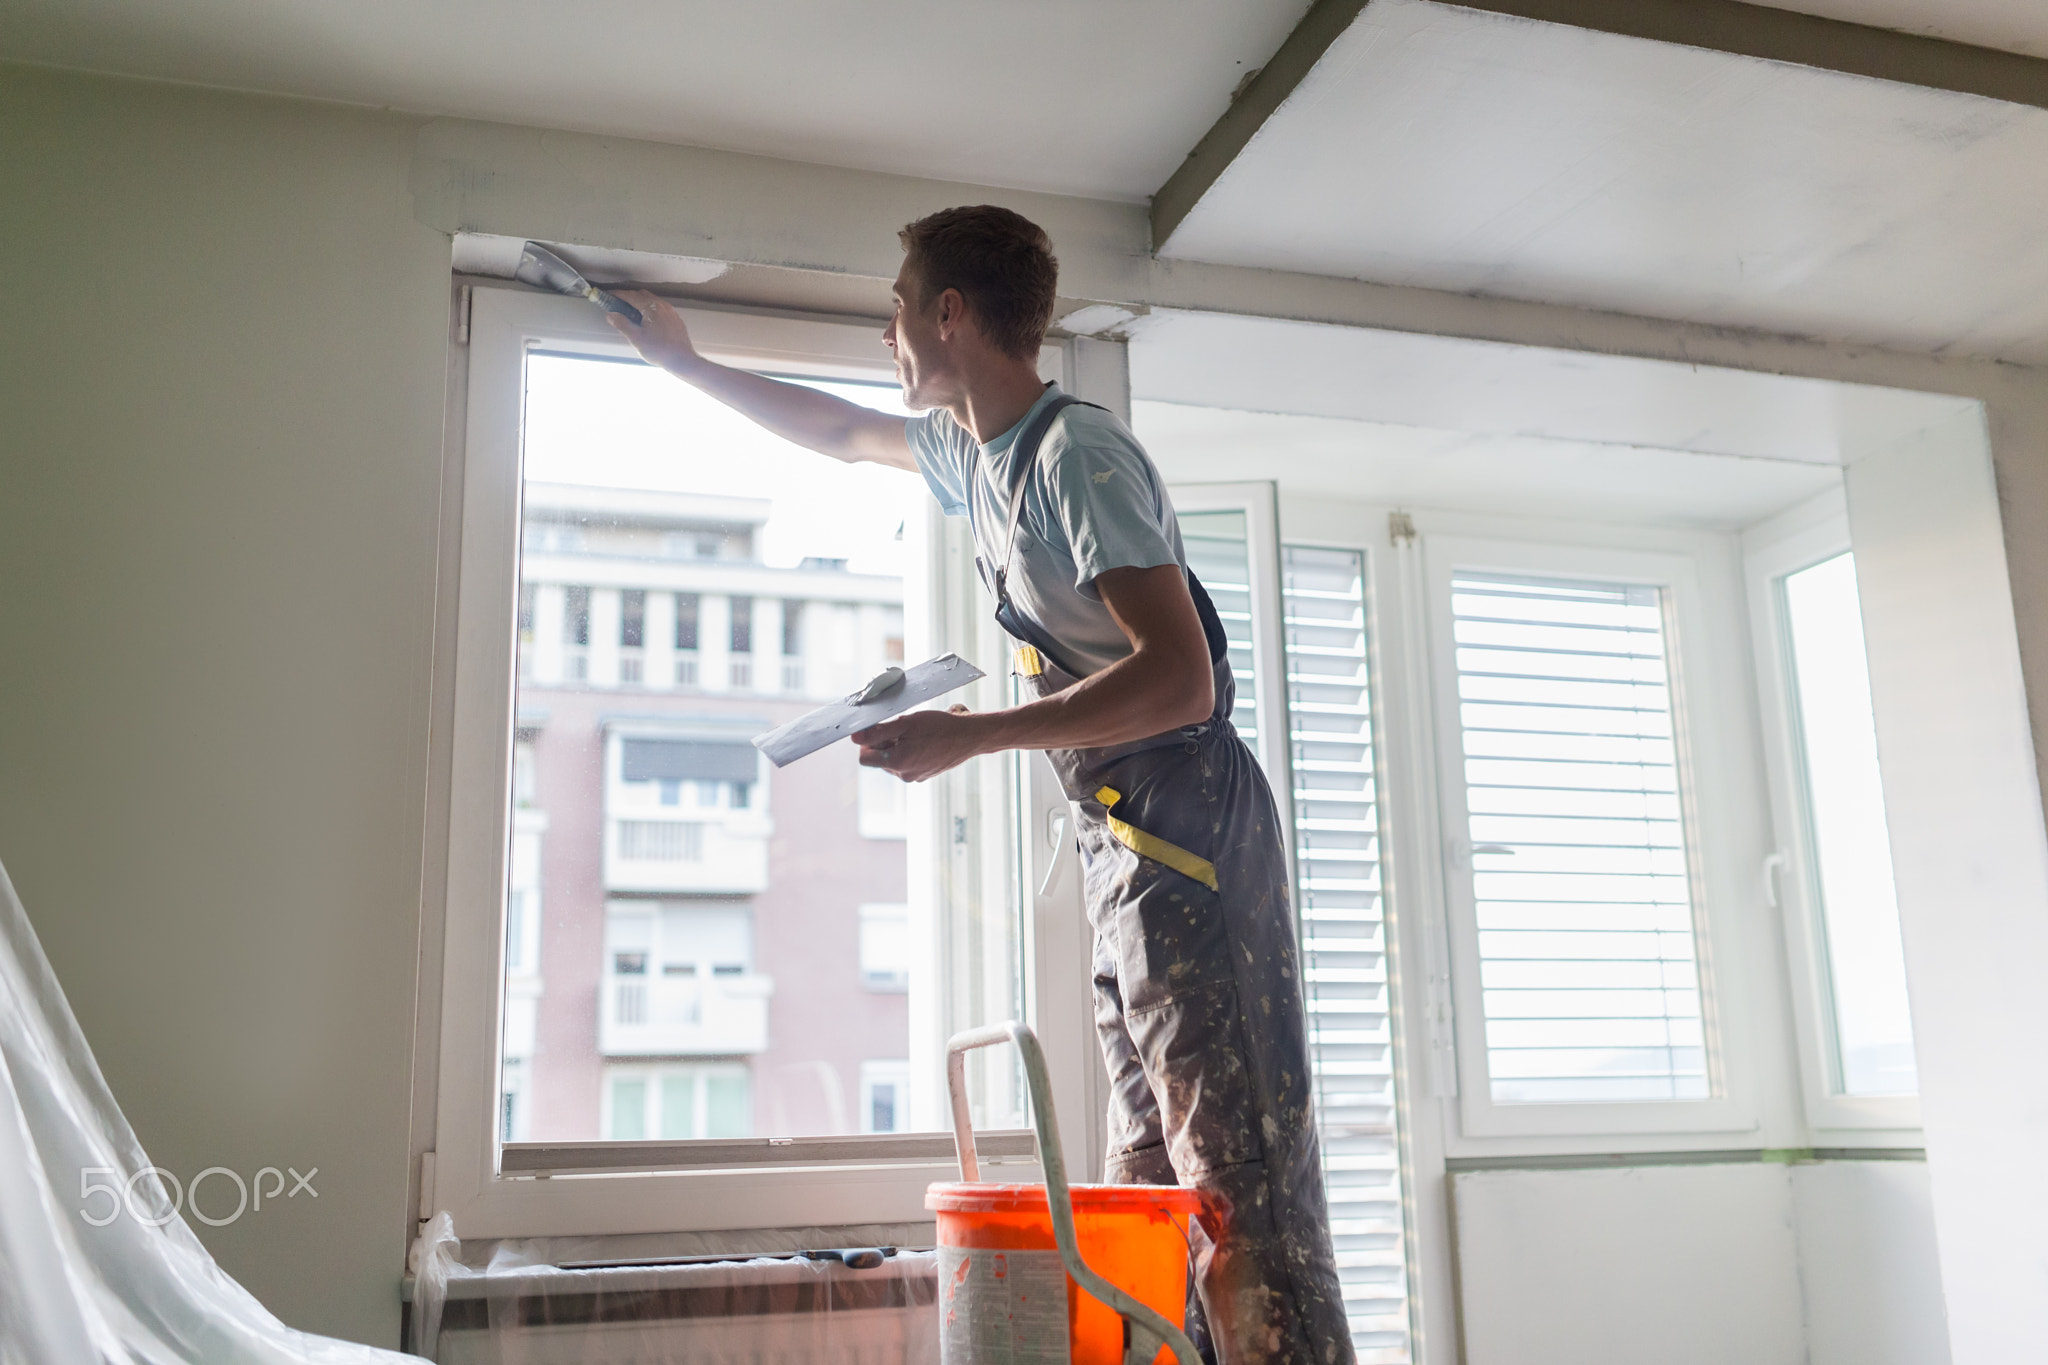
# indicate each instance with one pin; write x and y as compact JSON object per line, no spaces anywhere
{"x":1727,"y":26}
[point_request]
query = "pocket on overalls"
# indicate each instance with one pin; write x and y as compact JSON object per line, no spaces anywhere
{"x":1146,"y":845}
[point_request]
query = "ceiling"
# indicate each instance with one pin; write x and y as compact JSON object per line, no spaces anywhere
{"x":2014,"y":25}
{"x":1492,"y":389}
{"x":1430,"y":145}
{"x":1453,"y":149}
{"x":808,"y":80}
{"x":1521,"y":476}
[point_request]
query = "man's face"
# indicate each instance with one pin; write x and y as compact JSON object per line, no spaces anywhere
{"x":914,"y":335}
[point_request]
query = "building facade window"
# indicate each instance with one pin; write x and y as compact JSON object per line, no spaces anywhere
{"x":884,"y":1096}
{"x":688,"y":604}
{"x":885,"y":947}
{"x":743,"y":625}
{"x":677,"y":1102}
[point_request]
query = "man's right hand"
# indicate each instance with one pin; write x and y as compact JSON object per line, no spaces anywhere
{"x":662,"y":336}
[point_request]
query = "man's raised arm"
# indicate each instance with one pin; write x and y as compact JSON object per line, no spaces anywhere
{"x":795,"y":412}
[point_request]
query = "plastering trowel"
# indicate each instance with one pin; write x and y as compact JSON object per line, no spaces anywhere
{"x":543,"y":269}
{"x":891,"y":693}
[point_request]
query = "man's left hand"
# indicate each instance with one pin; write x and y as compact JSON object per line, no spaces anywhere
{"x":920,"y":745}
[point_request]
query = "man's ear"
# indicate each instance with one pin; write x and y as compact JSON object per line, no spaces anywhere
{"x":949,"y":312}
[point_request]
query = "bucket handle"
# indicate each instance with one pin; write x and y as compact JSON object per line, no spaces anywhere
{"x":1148,"y":1327}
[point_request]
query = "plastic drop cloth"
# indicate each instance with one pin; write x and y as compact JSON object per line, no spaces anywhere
{"x":522,"y":1307}
{"x":140,"y":1288}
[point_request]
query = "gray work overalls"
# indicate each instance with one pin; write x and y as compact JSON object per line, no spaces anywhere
{"x":1198,"y":1000}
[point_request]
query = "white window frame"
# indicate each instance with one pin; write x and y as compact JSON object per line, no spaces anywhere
{"x":1704,"y":726}
{"x":804,"y":1182}
{"x":1799,"y":539}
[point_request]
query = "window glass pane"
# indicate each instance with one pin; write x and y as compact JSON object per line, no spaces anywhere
{"x":679,"y":1104}
{"x":629,"y":1108}
{"x":1851,"y":853}
{"x":1344,"y":940}
{"x":1578,"y":846}
{"x":686,"y":910}
{"x":728,"y":1110}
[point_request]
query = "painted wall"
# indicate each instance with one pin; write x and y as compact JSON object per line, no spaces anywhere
{"x":1830,"y":1263}
{"x":220,"y":421}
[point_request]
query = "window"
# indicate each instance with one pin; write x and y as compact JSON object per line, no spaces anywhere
{"x":1344,"y":947}
{"x":1299,"y":612}
{"x":792,"y":628}
{"x":701,"y":972}
{"x":884,"y":1089}
{"x":885,"y":947}
{"x":576,"y":633}
{"x":575,"y":616}
{"x":677,"y":1102}
{"x":1572,"y":843}
{"x":1215,"y":542}
{"x":687,"y":606}
{"x":742,"y":625}
{"x":1576,"y":842}
{"x":1851,"y":857}
{"x":884,"y":799}
{"x":1831,"y":873}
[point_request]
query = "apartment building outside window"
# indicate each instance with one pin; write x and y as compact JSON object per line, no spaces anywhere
{"x":698,"y":971}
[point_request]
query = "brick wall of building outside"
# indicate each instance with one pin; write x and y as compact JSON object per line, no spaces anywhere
{"x":593,"y":558}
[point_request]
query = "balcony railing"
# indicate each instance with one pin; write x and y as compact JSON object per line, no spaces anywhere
{"x":726,"y":856}
{"x":632,"y":664}
{"x":683,"y":1016}
{"x":792,"y":675}
{"x":741,"y":671}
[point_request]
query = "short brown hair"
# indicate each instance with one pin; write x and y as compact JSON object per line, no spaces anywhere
{"x":1000,"y":261}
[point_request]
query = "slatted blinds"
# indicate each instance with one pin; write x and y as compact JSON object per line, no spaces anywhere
{"x":1579,"y":875}
{"x":1343,"y":929}
{"x":1215,"y":545}
{"x":1344,"y":939}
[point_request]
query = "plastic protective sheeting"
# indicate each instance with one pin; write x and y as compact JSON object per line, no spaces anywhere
{"x":116,"y":1276}
{"x":521,"y":1308}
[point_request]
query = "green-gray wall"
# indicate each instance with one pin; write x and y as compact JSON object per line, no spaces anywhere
{"x":220,"y":421}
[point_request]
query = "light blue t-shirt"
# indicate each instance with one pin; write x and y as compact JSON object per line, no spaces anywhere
{"x":1094,"y":503}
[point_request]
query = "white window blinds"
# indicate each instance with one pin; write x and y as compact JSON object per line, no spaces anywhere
{"x":1216,"y":545}
{"x":1578,"y":862}
{"x":1344,"y":946}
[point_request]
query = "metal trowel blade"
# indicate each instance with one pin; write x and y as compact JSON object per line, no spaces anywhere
{"x":543,"y":269}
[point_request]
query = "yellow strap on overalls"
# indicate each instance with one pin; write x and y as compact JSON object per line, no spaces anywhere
{"x":1157,"y":849}
{"x":1030,"y":663}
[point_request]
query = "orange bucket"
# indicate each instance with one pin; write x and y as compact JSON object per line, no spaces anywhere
{"x":1004,"y":1294}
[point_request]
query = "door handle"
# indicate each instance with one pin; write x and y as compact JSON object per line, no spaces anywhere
{"x":1056,"y":836}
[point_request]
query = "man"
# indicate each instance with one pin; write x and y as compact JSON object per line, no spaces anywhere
{"x":1198,"y":997}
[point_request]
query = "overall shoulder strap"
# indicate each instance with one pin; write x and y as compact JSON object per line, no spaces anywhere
{"x":1026,"y":457}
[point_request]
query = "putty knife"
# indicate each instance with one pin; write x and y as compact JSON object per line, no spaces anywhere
{"x":543,"y":269}
{"x":891,"y":694}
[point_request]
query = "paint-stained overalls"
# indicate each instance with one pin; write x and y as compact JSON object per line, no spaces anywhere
{"x":1198,"y":995}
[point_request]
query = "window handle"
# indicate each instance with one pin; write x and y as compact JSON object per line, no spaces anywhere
{"x":1773,"y":865}
{"x":1056,"y":837}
